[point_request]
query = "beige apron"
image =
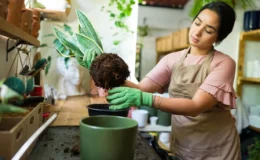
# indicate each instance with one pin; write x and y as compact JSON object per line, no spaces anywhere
{"x":211,"y":135}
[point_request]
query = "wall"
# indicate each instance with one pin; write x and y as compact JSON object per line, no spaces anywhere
{"x":162,"y":21}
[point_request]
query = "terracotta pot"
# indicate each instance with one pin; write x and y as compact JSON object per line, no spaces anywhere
{"x":14,"y":15}
{"x":36,"y":15}
{"x":4,"y":8}
{"x":27,"y":20}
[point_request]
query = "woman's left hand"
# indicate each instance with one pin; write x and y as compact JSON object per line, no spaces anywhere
{"x":125,"y":97}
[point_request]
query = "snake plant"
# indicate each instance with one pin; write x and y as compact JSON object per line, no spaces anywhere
{"x":85,"y":42}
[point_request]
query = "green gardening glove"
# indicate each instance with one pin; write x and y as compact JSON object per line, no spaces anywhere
{"x":125,"y":97}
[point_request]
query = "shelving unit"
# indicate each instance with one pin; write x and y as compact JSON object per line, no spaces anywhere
{"x":12,"y":31}
{"x":172,"y":42}
{"x":54,"y":15}
{"x":159,"y":54}
{"x":245,"y":36}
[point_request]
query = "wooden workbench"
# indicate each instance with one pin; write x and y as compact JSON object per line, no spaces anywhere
{"x":71,"y":110}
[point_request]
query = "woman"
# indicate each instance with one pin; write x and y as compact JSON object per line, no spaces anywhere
{"x":200,"y":85}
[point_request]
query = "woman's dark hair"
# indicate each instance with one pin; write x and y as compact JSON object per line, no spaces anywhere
{"x":227,"y":17}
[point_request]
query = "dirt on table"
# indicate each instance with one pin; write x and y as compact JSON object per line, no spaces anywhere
{"x":109,"y":70}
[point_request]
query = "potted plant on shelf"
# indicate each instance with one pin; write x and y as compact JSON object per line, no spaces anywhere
{"x":199,"y":3}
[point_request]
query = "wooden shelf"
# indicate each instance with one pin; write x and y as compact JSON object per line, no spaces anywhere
{"x":251,"y":35}
{"x":12,"y":31}
{"x":174,"y":50}
{"x":251,"y":80}
{"x":54,"y":15}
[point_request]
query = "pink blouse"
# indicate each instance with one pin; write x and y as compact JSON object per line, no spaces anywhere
{"x":218,"y":83}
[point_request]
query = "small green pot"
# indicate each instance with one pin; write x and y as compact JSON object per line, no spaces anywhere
{"x":164,"y":118}
{"x":107,"y":137}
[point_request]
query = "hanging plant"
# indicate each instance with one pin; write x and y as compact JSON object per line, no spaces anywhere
{"x":122,"y":9}
{"x":233,"y":3}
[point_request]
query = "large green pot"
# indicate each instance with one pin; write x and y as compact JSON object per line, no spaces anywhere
{"x":108,"y":138}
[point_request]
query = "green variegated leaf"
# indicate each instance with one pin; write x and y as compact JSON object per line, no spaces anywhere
{"x":8,"y":108}
{"x":48,"y":35}
{"x":88,"y":52}
{"x":68,"y":41}
{"x":85,"y":44}
{"x":66,"y":61}
{"x":68,"y":29}
{"x":80,"y":61}
{"x":89,"y":57}
{"x":81,"y":31}
{"x":66,"y":52}
{"x":7,"y":94}
{"x":64,"y":55}
{"x":87,"y":28}
{"x":47,"y":68}
{"x":57,"y":43}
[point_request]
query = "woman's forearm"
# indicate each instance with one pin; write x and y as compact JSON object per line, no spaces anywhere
{"x":200,"y":102}
{"x":177,"y":106}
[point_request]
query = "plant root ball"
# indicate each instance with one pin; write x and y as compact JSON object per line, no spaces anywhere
{"x":109,"y":70}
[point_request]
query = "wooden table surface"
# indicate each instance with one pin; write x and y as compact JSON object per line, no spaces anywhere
{"x":71,"y":110}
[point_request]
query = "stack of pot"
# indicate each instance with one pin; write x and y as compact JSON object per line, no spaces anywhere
{"x":14,"y":11}
{"x":251,"y":20}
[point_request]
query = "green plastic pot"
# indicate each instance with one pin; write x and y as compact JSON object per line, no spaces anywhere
{"x":15,"y":84}
{"x":107,"y":137}
{"x":164,"y":118}
{"x":29,"y":85}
